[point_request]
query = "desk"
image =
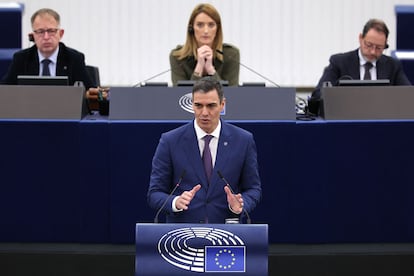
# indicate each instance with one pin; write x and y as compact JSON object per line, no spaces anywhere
{"x":86,"y":181}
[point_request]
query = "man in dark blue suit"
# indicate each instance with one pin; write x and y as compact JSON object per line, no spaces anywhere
{"x":351,"y":65}
{"x":62,"y":60}
{"x":199,"y":199}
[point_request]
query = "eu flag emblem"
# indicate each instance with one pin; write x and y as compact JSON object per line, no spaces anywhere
{"x":225,"y":258}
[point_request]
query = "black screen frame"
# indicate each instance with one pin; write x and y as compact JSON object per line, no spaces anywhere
{"x":382,"y":82}
{"x":42,"y":80}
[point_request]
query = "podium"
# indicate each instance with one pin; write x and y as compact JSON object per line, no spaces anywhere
{"x":191,"y":249}
{"x":368,"y":103}
{"x":42,"y":102}
{"x":175,"y":103}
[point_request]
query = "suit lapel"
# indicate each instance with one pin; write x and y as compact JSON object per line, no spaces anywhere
{"x":62,"y":61}
{"x":382,"y":69}
{"x":355,"y":72}
{"x":61,"y":66}
{"x":192,"y":152}
{"x":223,"y":153}
{"x":190,"y":145}
{"x":33,"y":63}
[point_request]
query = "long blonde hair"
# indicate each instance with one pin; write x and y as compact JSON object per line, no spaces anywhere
{"x":190,"y":46}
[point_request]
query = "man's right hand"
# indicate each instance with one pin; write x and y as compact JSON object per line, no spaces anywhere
{"x":185,"y":198}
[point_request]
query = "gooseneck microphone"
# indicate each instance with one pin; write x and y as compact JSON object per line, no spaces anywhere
{"x":169,"y":196}
{"x":249,"y":221}
{"x":250,"y":69}
{"x":143,"y":83}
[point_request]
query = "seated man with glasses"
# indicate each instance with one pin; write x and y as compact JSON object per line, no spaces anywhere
{"x":49,"y":56}
{"x":367,"y":62}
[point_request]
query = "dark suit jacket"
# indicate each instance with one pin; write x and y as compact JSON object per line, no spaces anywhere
{"x":70,"y":63}
{"x":178,"y":151}
{"x":346,"y":65}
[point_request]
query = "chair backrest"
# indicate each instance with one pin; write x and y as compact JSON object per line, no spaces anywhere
{"x":93,"y":72}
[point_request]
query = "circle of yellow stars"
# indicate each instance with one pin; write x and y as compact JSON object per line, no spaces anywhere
{"x":228,"y":252}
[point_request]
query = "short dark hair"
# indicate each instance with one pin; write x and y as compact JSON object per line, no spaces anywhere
{"x":207,"y":84}
{"x":377,"y":25}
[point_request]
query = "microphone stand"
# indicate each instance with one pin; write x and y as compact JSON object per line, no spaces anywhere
{"x":142,"y":83}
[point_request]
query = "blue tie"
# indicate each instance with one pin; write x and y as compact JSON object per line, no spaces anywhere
{"x":46,"y":71}
{"x":208,"y":162}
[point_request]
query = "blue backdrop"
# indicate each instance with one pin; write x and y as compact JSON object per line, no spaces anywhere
{"x":71,"y":181}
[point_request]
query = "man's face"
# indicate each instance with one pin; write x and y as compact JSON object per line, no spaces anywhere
{"x":373,"y":44}
{"x":46,"y":34}
{"x":207,"y":108}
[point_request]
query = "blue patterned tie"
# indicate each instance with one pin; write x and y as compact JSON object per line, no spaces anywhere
{"x":46,"y":71}
{"x":208,"y":163}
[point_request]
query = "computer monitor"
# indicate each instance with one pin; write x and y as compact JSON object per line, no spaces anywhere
{"x":42,"y":80}
{"x":364,"y":82}
{"x":191,"y":83}
{"x":254,"y":84}
{"x":156,"y":84}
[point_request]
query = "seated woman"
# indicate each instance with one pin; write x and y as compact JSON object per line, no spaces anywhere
{"x":204,"y":53}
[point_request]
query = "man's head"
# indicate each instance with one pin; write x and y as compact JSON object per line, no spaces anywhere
{"x":46,"y":30}
{"x":208,"y":102}
{"x":373,"y":39}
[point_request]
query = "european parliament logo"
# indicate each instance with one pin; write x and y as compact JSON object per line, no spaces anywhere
{"x":203,"y":249}
{"x":186,"y":103}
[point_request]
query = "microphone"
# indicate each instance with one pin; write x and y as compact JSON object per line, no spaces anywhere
{"x":250,"y":69}
{"x":143,"y":83}
{"x":169,"y":196}
{"x":249,"y":221}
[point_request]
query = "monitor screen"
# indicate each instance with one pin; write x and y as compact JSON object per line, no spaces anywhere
{"x":185,"y":83}
{"x":191,"y":83}
{"x":42,"y":80}
{"x":363,"y":82}
{"x":157,"y":84}
{"x":254,"y":84}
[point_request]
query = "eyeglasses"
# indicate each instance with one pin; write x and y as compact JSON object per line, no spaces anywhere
{"x":372,"y":46}
{"x":41,"y":32}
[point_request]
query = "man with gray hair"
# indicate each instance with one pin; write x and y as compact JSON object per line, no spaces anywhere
{"x":48,"y":56}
